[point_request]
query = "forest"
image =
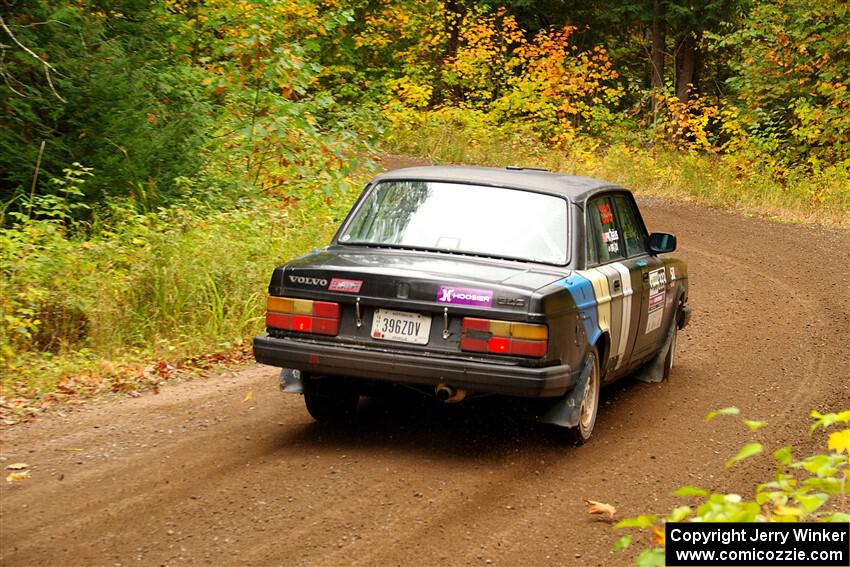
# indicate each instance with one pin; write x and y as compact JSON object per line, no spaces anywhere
{"x":157,"y":159}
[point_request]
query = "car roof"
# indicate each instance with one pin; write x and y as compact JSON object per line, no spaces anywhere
{"x":574,"y":188}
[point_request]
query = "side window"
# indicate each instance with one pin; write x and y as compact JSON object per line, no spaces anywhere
{"x":634,"y":235}
{"x":602,"y":231}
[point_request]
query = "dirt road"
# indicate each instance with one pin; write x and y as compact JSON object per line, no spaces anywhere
{"x":195,"y":475}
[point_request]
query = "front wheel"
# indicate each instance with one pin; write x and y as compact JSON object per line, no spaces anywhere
{"x":580,"y":433}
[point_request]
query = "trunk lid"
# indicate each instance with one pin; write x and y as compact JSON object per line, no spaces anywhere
{"x":417,"y":280}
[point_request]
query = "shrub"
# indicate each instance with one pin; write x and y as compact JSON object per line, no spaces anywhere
{"x":809,"y":489}
{"x":180,"y":281}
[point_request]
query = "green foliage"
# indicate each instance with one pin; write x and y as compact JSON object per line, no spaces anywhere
{"x":725,"y":411}
{"x":205,"y":134}
{"x":118,"y":100}
{"x":799,"y":491}
{"x":451,"y":135}
{"x":261,"y":65}
{"x":754,"y":425}
{"x":782,"y":128}
{"x":643,"y":521}
{"x":747,"y":451}
{"x":690,"y":491}
{"x":623,"y":543}
{"x":828,"y":420}
{"x":243,"y":97}
{"x":176,"y":282}
{"x":650,"y":558}
{"x":154,"y":97}
{"x":793,"y":82}
{"x":545,"y":83}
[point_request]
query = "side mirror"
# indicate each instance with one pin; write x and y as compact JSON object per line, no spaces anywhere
{"x":661,"y":242}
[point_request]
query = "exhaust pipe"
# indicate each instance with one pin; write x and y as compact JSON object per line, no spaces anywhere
{"x":449,"y":394}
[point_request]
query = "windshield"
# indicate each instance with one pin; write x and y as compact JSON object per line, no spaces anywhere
{"x":474,"y":219}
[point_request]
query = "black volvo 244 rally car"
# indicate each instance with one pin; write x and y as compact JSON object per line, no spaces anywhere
{"x":463,"y":281}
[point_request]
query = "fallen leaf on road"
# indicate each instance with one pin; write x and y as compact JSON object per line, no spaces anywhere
{"x":70,"y":449}
{"x":248,"y":397}
{"x":164,"y":370}
{"x":17,"y":466}
{"x":17,"y":476}
{"x":600,"y":509}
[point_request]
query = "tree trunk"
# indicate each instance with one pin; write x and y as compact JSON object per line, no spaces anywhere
{"x":657,"y":39}
{"x":687,"y":55}
{"x":453,"y":15}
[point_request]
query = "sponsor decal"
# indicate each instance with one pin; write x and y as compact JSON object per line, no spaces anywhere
{"x":653,"y":320}
{"x":605,"y":214}
{"x":657,"y":281}
{"x":657,"y":298}
{"x":672,"y":273}
{"x":303,"y":280}
{"x":464,"y":296}
{"x":656,"y":301}
{"x":610,"y":235}
{"x":344,"y":285}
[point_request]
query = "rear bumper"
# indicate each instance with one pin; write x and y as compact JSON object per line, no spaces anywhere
{"x":380,"y":365}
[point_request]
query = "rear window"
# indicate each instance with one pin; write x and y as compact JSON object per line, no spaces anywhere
{"x":474,"y":219}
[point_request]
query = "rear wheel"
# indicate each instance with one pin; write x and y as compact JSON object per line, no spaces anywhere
{"x":331,"y":402}
{"x":579,"y":434}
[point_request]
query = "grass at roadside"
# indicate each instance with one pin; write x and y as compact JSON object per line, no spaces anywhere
{"x":728,"y":182}
{"x":127,"y":308}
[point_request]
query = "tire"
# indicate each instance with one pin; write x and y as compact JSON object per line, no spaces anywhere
{"x":670,"y":356}
{"x":581,"y":433}
{"x":332,"y":405}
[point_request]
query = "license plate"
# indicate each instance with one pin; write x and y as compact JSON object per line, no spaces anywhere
{"x":389,"y":325}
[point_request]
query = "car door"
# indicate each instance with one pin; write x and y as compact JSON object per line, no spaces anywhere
{"x":611,"y":280}
{"x":648,"y":277}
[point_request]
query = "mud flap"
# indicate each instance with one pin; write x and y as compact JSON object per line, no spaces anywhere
{"x":564,"y":411}
{"x":290,"y":381}
{"x":653,"y":371}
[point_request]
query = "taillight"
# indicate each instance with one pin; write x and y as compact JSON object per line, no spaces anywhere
{"x":303,"y":315}
{"x":504,"y":337}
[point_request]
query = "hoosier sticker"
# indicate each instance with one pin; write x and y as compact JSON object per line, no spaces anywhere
{"x":463,"y":296}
